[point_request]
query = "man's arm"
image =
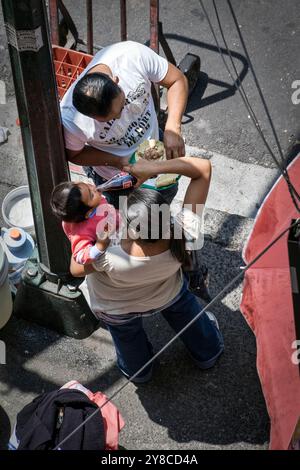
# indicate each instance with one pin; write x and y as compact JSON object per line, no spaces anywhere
{"x":177,"y":96}
{"x":90,"y":156}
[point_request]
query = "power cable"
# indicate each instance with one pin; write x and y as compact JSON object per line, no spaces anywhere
{"x":240,"y":89}
{"x":283,"y":170}
{"x":217,"y":297}
{"x":291,"y":187}
{"x":255,"y":78}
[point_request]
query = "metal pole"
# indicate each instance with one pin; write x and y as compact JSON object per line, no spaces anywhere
{"x":123,"y":17}
{"x":154,"y":18}
{"x":53,"y":16}
{"x":164,"y":44}
{"x":34,"y":80}
{"x":89,"y":16}
{"x":294,"y":258}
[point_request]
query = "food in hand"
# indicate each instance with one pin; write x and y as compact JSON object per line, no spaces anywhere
{"x":154,"y":150}
{"x":151,"y":150}
{"x":166,"y":180}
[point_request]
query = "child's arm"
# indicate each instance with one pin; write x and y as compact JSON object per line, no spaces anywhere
{"x":80,"y":270}
{"x":89,"y":240}
{"x":83,"y":246}
{"x":86,"y":253}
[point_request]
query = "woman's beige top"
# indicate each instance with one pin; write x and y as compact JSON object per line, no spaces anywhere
{"x":124,"y":283}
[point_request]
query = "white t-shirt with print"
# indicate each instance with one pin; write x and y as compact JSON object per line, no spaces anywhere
{"x":136,"y":66}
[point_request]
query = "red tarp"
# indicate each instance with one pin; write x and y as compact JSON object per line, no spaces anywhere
{"x":268,"y":308}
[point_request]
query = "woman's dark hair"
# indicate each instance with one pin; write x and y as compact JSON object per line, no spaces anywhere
{"x":139,"y":204}
{"x":93,"y":94}
{"x":66,"y":202}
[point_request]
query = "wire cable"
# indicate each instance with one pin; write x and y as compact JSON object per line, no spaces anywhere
{"x":212,"y":302}
{"x":284,"y":171}
{"x":291,"y":187}
{"x":240,"y":84}
{"x":244,"y":97}
{"x":255,"y":78}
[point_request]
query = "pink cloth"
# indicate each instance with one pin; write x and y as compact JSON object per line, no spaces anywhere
{"x":268,"y":308}
{"x":83,"y":235}
{"x":112,"y":419}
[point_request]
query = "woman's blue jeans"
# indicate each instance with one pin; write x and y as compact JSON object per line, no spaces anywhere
{"x":202,"y":339}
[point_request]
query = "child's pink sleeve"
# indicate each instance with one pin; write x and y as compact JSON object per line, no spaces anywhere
{"x":85,"y":252}
{"x":83,"y":247}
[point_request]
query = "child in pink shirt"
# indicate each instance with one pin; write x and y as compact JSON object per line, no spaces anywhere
{"x":87,"y":219}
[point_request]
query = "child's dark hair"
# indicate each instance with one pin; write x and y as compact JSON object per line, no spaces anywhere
{"x":66,"y":202}
{"x":142,"y":200}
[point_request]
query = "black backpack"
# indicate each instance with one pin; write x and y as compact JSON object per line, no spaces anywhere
{"x":51,"y":418}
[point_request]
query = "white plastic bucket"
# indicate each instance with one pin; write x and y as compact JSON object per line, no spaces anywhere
{"x":17,"y":210}
{"x":6,"y":304}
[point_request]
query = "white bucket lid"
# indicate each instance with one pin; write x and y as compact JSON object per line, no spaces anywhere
{"x":3,"y":266}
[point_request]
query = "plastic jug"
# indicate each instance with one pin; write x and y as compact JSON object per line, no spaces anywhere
{"x":6,"y":304}
{"x":18,"y":246}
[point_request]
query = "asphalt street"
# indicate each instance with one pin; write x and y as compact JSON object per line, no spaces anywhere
{"x":219,"y":120}
{"x":181,"y":408}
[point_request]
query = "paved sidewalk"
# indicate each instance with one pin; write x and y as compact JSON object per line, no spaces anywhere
{"x":182,"y":408}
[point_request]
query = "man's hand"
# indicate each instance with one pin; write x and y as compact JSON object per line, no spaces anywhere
{"x":142,"y":170}
{"x":174,"y":144}
{"x":177,"y":95}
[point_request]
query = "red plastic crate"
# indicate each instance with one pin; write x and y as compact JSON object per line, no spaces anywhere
{"x":68,"y":66}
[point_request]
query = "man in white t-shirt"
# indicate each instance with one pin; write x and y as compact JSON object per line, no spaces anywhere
{"x":109,"y":111}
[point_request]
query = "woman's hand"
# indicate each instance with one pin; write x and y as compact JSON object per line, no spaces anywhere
{"x":142,"y":170}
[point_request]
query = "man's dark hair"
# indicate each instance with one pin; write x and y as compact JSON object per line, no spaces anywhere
{"x":93,"y":94}
{"x":66,"y":202}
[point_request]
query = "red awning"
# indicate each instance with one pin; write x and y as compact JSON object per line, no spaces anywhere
{"x":268,"y":308}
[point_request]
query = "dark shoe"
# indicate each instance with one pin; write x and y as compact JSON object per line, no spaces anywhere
{"x":138,"y":379}
{"x":198,"y":283}
{"x":209,"y":363}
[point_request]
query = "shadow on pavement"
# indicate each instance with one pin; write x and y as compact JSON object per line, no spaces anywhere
{"x":5,"y":429}
{"x":39,"y":360}
{"x":221,"y":406}
{"x":229,"y":89}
